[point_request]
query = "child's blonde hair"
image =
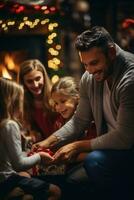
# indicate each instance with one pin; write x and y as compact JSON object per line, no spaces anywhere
{"x":67,"y":86}
{"x":11,"y":100}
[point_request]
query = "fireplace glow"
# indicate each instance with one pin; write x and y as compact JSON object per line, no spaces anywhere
{"x":9,"y":62}
{"x":5,"y":72}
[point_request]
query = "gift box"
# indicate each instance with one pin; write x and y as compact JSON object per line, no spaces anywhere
{"x":52,"y":169}
{"x":36,"y":170}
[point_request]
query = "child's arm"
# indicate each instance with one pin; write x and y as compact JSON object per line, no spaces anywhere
{"x":12,"y":140}
{"x":26,"y":174}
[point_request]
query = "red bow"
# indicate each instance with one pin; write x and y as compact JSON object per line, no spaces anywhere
{"x":35,"y":169}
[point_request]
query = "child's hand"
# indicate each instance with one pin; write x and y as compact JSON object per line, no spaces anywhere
{"x":46,"y":157}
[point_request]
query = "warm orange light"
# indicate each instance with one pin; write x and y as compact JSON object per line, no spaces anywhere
{"x":9,"y":62}
{"x":5,"y":72}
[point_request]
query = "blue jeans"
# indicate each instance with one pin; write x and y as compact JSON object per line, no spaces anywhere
{"x":111,"y":173}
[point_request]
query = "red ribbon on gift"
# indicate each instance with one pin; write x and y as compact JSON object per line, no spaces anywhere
{"x":35,"y":170}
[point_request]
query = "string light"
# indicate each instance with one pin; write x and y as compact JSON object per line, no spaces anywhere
{"x":55,"y":78}
{"x":53,"y":46}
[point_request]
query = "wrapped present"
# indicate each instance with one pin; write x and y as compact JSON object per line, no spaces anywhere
{"x":37,"y":168}
{"x":53,"y":169}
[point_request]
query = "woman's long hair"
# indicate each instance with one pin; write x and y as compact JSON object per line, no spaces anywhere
{"x":26,"y":67}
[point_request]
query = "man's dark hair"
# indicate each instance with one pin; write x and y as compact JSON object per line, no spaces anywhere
{"x":96,"y":37}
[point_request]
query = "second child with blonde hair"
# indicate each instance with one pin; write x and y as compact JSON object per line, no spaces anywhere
{"x":65,"y":96}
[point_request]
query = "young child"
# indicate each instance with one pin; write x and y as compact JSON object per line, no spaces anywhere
{"x":12,"y":159}
{"x":65,"y":95}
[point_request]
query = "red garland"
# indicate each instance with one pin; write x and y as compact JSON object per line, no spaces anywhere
{"x":127,"y":23}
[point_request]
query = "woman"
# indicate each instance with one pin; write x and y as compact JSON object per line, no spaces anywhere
{"x":37,"y":109}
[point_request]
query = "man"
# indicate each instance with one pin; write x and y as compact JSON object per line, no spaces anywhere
{"x":107,"y":96}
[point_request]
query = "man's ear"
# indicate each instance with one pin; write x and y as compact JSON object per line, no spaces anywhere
{"x":112,"y":52}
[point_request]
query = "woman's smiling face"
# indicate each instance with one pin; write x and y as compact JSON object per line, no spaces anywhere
{"x":34,"y":82}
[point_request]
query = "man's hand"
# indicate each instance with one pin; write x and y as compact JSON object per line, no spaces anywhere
{"x":69,"y":152}
{"x":43,"y":143}
{"x":66,"y":154}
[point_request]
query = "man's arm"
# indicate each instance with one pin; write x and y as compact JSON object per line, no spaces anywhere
{"x":73,"y":152}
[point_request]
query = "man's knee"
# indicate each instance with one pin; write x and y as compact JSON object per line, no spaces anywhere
{"x":94,"y":158}
{"x":94,"y":165}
